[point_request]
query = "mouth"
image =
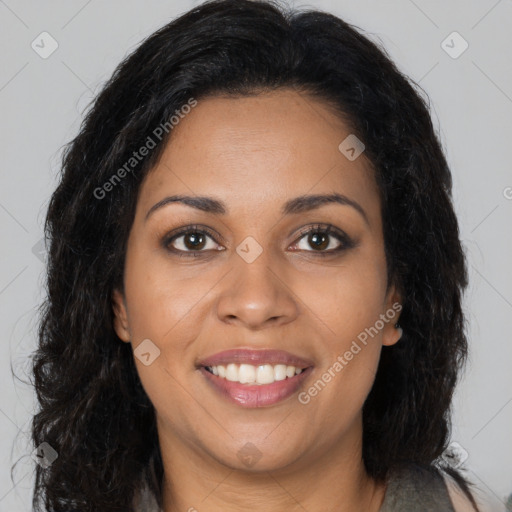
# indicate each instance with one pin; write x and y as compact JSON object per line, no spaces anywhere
{"x":259,"y":375}
{"x":251,"y":378}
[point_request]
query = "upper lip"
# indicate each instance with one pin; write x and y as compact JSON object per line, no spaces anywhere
{"x":255,"y":357}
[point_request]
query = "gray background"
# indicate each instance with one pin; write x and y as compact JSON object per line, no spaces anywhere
{"x":42,"y":101}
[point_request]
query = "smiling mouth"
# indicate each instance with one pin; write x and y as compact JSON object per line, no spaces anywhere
{"x":265,"y":393}
{"x":255,"y":378}
{"x":256,"y":375}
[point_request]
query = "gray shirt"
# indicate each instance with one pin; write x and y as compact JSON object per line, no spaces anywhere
{"x":418,"y":490}
{"x":410,"y":489}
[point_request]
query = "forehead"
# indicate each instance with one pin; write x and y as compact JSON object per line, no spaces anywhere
{"x":259,"y":150}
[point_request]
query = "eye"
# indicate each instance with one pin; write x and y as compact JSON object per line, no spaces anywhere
{"x":324,"y":240}
{"x":191,"y":240}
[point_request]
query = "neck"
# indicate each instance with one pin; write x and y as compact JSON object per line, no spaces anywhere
{"x":332,"y":480}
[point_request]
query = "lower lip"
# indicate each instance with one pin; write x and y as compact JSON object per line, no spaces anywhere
{"x":256,"y":395}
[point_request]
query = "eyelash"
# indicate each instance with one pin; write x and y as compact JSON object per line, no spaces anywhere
{"x":325,"y":229}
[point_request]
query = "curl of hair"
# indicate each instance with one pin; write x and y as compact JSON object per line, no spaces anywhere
{"x":92,"y":407}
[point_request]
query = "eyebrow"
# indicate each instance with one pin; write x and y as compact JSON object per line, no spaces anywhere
{"x":296,"y":205}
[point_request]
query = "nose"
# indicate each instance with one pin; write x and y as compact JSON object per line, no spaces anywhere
{"x":257,"y":294}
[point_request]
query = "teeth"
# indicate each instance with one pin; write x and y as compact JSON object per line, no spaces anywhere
{"x":265,"y":374}
{"x":280,"y":371}
{"x":246,"y":373}
{"x":232,"y":372}
{"x":250,"y":374}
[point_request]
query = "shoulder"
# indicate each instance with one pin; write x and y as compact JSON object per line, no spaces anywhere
{"x":460,"y":501}
{"x":416,"y":487}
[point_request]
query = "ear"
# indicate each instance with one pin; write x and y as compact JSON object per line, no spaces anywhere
{"x":120,"y":316}
{"x":393,"y":305}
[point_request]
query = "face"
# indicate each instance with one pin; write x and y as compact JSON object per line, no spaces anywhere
{"x":262,"y":280}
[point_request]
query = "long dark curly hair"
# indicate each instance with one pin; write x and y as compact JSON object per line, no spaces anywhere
{"x":93,"y":409}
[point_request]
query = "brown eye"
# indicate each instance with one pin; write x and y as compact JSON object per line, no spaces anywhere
{"x":324,"y":240}
{"x":318,"y":240}
{"x":191,"y":240}
{"x":194,"y":240}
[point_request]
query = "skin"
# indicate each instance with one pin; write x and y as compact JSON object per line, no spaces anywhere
{"x":254,"y":154}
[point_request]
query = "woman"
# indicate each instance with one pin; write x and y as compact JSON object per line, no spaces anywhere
{"x":255,"y":279}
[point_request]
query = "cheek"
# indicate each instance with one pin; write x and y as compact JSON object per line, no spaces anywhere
{"x":164,"y":310}
{"x":345,"y":299}
{"x":348,"y":308}
{"x":346,"y":304}
{"x":159,"y":301}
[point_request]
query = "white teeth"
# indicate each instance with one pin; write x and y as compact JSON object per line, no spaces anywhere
{"x":232,"y":372}
{"x":250,"y":374}
{"x":280,"y":372}
{"x":265,"y":374}
{"x":247,"y":374}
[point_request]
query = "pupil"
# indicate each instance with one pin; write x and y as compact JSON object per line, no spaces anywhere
{"x":318,"y":240}
{"x":193,"y":240}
